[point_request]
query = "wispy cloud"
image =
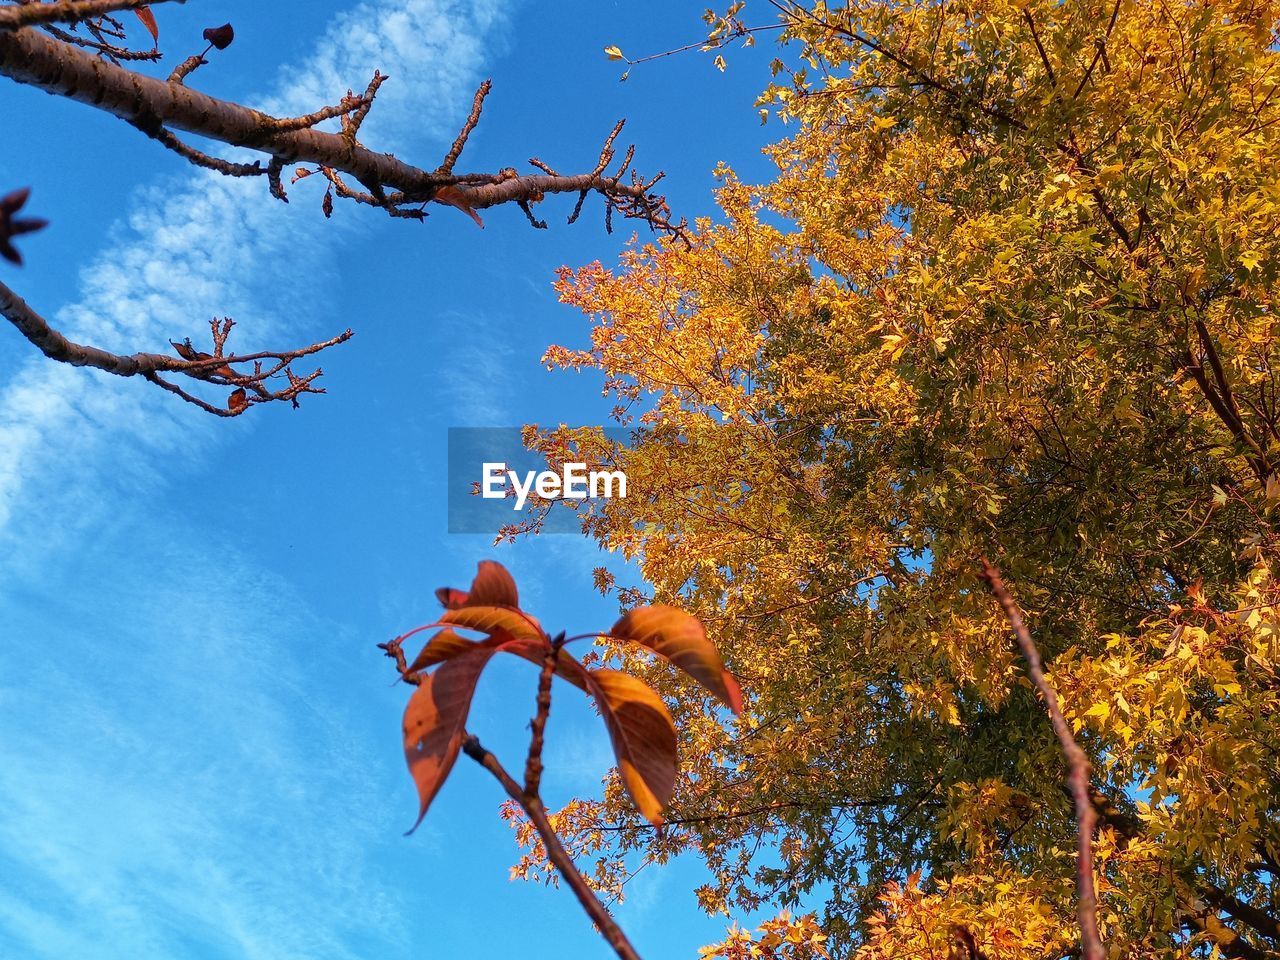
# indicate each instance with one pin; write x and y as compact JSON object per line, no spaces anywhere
{"x":209,"y":244}
{"x":176,"y":788}
{"x":161,"y":741}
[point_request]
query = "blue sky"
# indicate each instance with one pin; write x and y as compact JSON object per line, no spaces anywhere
{"x":199,"y":741}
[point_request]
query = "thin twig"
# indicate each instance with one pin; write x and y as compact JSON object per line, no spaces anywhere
{"x":477,"y":105}
{"x":533,"y":765}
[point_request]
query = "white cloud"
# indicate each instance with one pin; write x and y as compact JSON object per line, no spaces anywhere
{"x":162,"y":737}
{"x":212,"y":245}
{"x":178,"y":789}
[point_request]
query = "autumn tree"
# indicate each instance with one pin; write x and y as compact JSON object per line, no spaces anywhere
{"x":1010,"y":293}
{"x":106,"y":55}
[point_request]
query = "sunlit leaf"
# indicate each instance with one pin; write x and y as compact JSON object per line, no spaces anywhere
{"x":493,"y":587}
{"x":644,"y":738}
{"x":681,"y":639}
{"x":493,"y":620}
{"x":149,"y":21}
{"x":445,"y":645}
{"x":435,"y":722}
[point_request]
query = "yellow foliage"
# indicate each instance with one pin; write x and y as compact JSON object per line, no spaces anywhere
{"x":1011,"y":292}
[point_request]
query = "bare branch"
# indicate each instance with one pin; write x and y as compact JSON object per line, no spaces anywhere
{"x":150,"y":104}
{"x":1077,"y":762}
{"x":187,"y":67}
{"x":219,"y":368}
{"x":351,"y":124}
{"x":533,"y":765}
{"x":477,"y":104}
{"x":194,"y":156}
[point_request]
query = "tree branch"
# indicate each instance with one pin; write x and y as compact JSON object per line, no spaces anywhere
{"x":1077,"y":762}
{"x":537,"y":814}
{"x":217,"y":368}
{"x":533,"y":765}
{"x":31,"y":57}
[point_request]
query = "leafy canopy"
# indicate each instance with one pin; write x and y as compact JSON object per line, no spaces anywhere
{"x":1011,"y":292}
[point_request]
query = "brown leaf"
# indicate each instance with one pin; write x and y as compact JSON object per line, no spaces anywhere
{"x":435,"y":723}
{"x":493,"y":586}
{"x":11,"y":227}
{"x":450,"y":598}
{"x":644,"y":738}
{"x":445,"y":645}
{"x":185,"y":350}
{"x":149,"y":21}
{"x":238,"y":400}
{"x":535,"y":651}
{"x":680,"y":638}
{"x":14,"y":201}
{"x":502,"y":622}
{"x":327,"y":204}
{"x":220,"y":37}
{"x":457,"y":197}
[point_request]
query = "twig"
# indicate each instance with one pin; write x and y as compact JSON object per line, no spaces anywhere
{"x":533,"y":765}
{"x":216,"y":369}
{"x":1077,"y":762}
{"x":556,"y":852}
{"x":477,"y":105}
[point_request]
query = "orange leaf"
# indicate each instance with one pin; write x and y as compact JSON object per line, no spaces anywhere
{"x":681,"y":638}
{"x":450,"y":598}
{"x":567,"y":667}
{"x":495,"y":621}
{"x":644,"y":738}
{"x":435,"y":722}
{"x":445,"y":645}
{"x":493,"y":587}
{"x":149,"y":21}
{"x":457,"y":197}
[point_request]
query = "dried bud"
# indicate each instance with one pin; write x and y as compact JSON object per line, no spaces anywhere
{"x":11,"y":227}
{"x":220,"y":37}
